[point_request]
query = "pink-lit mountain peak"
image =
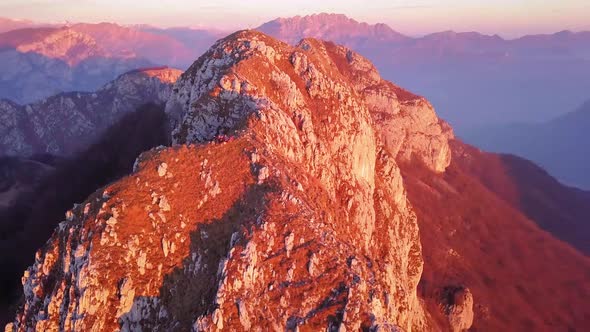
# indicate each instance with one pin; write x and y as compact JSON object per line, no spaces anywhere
{"x":335,"y":27}
{"x":76,"y":43}
{"x":8,"y":24}
{"x":65,"y":44}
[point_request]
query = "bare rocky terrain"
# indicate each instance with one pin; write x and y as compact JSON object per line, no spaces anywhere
{"x":301,"y":191}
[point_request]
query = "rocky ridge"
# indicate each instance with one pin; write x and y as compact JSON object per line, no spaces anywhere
{"x":462,"y":73}
{"x":300,"y":220}
{"x":65,"y":123}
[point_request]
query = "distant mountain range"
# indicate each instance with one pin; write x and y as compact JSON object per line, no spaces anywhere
{"x":333,"y":27}
{"x":302,"y":191}
{"x":37,"y":62}
{"x":7,"y":24}
{"x":559,"y":145}
{"x":68,"y":122}
{"x":473,"y":80}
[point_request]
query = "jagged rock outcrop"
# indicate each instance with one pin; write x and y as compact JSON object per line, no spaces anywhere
{"x":68,"y":122}
{"x":282,"y":206}
{"x":458,"y":306}
{"x":405,"y":122}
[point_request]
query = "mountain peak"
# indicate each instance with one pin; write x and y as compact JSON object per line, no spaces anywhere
{"x":335,"y":27}
{"x":246,"y":68}
{"x":284,"y":203}
{"x":282,"y":195}
{"x":61,"y":43}
{"x":325,"y":18}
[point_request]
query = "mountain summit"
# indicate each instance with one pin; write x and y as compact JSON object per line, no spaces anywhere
{"x":282,"y":205}
{"x":335,"y":27}
{"x":300,"y":219}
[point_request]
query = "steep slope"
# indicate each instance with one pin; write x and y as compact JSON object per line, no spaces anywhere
{"x":563,"y":211}
{"x":50,"y":185}
{"x":474,"y":235}
{"x":556,"y":145}
{"x":300,"y":221}
{"x":68,"y":122}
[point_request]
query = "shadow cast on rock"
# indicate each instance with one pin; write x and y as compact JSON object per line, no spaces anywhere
{"x":190,"y":291}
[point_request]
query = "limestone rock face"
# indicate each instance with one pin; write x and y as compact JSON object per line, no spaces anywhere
{"x":458,"y":306}
{"x":406,"y":123}
{"x":67,"y":122}
{"x":281,"y":206}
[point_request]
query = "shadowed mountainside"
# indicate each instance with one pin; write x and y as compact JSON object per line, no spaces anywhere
{"x":26,"y":225}
{"x":560,"y":210}
{"x":521,"y":277}
{"x":69,"y":122}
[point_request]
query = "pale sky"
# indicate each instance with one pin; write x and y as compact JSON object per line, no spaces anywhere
{"x":506,"y":17}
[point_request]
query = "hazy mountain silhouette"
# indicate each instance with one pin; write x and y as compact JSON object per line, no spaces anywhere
{"x":39,"y":62}
{"x":7,"y":24}
{"x":30,"y":220}
{"x":558,"y":145}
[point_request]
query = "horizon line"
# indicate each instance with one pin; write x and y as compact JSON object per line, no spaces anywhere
{"x":65,"y":23}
